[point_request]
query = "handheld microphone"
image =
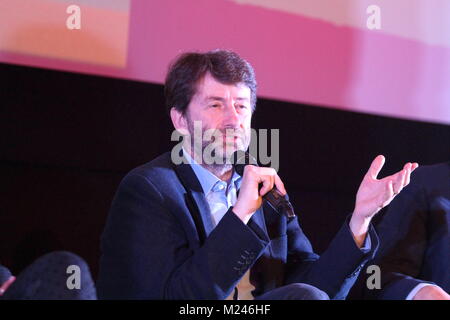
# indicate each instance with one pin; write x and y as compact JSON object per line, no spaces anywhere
{"x":276,"y":200}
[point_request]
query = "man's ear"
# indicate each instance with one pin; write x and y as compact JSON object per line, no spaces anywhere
{"x":179,"y":121}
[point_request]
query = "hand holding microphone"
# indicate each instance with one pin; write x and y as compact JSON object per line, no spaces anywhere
{"x":251,"y":196}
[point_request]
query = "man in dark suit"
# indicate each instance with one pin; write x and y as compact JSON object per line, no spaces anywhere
{"x":414,"y":255}
{"x":198,"y":230}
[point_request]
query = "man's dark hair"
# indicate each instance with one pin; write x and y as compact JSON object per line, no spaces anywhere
{"x":225,"y":66}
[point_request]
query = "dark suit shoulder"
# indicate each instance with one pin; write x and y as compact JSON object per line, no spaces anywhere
{"x":432,"y":177}
{"x":427,"y":171}
{"x":156,"y":169}
{"x":160,"y":173}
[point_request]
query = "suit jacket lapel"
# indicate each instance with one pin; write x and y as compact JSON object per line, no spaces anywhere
{"x":195,"y":200}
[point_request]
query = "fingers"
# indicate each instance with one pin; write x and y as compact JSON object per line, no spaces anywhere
{"x":390,"y":189}
{"x":388,"y":194}
{"x":268,"y":182}
{"x":250,"y":195}
{"x":280,"y":185}
{"x":403,"y":178}
{"x":395,"y":183}
{"x":413,"y":167}
{"x":376,"y":166}
{"x":399,"y":180}
{"x":408,"y":174}
{"x":268,"y":177}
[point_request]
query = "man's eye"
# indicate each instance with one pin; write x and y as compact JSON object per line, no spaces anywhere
{"x":215,"y":106}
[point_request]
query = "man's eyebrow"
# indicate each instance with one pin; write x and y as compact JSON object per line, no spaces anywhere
{"x":209,"y":98}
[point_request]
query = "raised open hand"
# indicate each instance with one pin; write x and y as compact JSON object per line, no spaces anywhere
{"x":374,"y":194}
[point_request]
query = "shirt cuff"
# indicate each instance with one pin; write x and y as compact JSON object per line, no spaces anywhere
{"x":416,"y":289}
{"x":367,"y":245}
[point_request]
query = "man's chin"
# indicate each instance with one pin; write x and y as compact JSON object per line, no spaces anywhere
{"x":219,"y":157}
{"x":230,"y":149}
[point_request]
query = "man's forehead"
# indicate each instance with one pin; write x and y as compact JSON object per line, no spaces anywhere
{"x":209,"y":88}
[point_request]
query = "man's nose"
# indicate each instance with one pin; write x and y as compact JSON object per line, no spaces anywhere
{"x":231,"y":117}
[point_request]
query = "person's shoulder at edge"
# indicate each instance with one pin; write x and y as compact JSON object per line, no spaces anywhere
{"x":159,"y":172}
{"x":431,"y":176}
{"x":155,"y":168}
{"x":425,"y":171}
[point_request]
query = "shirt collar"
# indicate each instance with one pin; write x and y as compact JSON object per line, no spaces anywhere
{"x":206,"y":178}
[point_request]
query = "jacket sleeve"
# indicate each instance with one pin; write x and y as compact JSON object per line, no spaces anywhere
{"x":337,"y":269}
{"x":404,"y":239}
{"x":146,"y":255}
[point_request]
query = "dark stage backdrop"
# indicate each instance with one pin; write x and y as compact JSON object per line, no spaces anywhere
{"x":66,"y":141}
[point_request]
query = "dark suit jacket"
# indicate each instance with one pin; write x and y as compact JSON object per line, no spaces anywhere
{"x":159,"y":243}
{"x":415,"y":237}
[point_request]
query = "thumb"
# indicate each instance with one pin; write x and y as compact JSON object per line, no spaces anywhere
{"x":376,"y":166}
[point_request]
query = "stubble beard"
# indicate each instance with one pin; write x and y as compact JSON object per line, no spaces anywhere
{"x":222,"y":166}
